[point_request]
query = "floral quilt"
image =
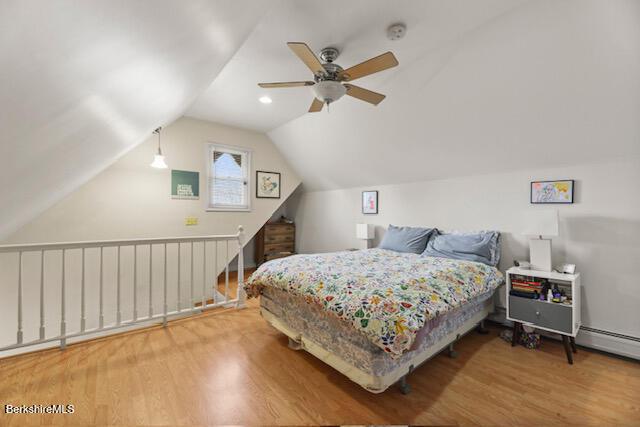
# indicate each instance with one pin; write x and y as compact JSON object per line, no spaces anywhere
{"x":386,"y":295}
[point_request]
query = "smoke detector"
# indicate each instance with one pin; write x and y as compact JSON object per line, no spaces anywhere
{"x":396,"y":31}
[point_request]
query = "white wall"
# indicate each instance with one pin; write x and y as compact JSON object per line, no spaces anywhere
{"x":132,"y":200}
{"x":600,"y":232}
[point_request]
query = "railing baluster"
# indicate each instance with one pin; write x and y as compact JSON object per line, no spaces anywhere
{"x":101,"y":320}
{"x":135,"y":283}
{"x":215,"y":271}
{"x":63,"y":320}
{"x":191,"y":302}
{"x":164,"y":318}
{"x":83,"y":318}
{"x":179,"y":296}
{"x":19,"y":334}
{"x":42,"y":331}
{"x":240,"y":291}
{"x":226,"y":272}
{"x":204,"y":273}
{"x":118,"y":308}
{"x":150,"y":281}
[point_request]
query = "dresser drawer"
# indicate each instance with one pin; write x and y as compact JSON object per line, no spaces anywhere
{"x":276,"y":256}
{"x":271,"y":229}
{"x":278,"y":238}
{"x":278,"y":247}
{"x":540,"y":313}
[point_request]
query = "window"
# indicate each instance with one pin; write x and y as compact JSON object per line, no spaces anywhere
{"x":228,"y":178}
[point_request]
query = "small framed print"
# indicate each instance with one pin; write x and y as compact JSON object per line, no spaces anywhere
{"x":369,"y":202}
{"x":551,"y":192}
{"x":267,"y":185}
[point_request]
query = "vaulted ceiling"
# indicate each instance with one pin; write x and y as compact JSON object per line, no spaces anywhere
{"x":482,"y":86}
{"x":82,"y":82}
{"x":532,"y":85}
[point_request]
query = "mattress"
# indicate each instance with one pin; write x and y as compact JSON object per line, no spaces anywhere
{"x":352,"y":346}
{"x":385,"y":296}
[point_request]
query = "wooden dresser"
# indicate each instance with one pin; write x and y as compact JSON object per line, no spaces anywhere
{"x":275,"y":240}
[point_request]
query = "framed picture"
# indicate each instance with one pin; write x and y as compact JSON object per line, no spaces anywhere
{"x":552,"y":191}
{"x":267,"y":185}
{"x":185,"y":185}
{"x":369,"y":202}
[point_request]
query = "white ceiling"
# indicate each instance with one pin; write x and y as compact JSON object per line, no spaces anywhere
{"x":482,"y":86}
{"x":546,"y":83}
{"x":82,"y":82}
{"x":356,"y":27}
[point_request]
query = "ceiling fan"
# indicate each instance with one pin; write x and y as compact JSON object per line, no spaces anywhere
{"x":329,"y":79}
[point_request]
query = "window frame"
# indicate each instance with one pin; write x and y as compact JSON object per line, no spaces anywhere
{"x":243,"y":151}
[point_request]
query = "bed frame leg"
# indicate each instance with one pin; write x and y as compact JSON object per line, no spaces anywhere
{"x":405,"y":388}
{"x":452,"y":353}
{"x":294,"y":345}
{"x":481,"y":329}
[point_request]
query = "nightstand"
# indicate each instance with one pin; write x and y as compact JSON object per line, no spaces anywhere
{"x":560,"y":318}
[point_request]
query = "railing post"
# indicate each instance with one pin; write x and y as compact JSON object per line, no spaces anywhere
{"x":118,"y":302}
{"x":135,"y":283}
{"x":226,"y":271}
{"x":150,"y":281}
{"x":63,"y":319}
{"x":101,"y":296}
{"x":204,"y":274}
{"x":241,"y":295}
{"x":19,"y":335}
{"x":83,"y":316}
{"x":42,"y":331}
{"x":191,"y":301}
{"x":164,"y":318}
{"x":179,"y":305}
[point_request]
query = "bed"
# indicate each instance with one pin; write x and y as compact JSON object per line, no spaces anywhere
{"x":374,"y":315}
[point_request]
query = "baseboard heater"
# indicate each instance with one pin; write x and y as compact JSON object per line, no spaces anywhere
{"x":611,"y":334}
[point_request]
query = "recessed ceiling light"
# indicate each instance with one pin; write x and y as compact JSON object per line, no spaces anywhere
{"x":265,"y":100}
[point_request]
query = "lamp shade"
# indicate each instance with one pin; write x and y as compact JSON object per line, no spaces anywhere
{"x":365,"y":231}
{"x":541,"y":223}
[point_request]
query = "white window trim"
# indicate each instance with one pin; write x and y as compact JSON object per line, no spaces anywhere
{"x":210,"y":147}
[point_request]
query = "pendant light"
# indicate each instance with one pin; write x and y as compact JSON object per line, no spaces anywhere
{"x":158,"y":159}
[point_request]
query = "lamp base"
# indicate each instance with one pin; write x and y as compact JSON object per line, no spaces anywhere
{"x":540,"y":254}
{"x":364,"y":243}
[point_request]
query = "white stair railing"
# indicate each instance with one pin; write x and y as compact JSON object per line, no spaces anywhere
{"x":41,"y":264}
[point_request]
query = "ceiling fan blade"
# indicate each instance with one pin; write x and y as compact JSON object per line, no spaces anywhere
{"x":285,"y":84}
{"x":316,"y":106}
{"x":307,"y":56}
{"x":370,"y":66}
{"x":364,"y":94}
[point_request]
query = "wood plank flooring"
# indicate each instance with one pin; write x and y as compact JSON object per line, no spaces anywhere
{"x":230,"y":367}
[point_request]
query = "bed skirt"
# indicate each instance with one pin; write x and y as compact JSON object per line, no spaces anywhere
{"x":377,"y":381}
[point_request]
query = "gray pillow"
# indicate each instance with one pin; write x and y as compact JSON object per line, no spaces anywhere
{"x":479,"y":247}
{"x":406,"y":239}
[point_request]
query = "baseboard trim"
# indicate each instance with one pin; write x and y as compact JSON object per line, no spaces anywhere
{"x":597,"y":339}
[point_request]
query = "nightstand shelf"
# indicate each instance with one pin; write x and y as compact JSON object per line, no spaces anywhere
{"x":560,"y":318}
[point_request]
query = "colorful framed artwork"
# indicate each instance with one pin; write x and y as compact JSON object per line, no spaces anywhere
{"x":185,"y":185}
{"x":267,"y":185}
{"x":369,"y":202}
{"x":551,"y":192}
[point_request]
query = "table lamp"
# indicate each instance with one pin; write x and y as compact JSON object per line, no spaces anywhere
{"x":541,"y":223}
{"x":365,"y":232}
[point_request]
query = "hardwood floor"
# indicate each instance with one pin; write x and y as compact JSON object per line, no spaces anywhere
{"x":230,"y":367}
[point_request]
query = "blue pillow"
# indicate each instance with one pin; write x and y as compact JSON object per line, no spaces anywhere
{"x":405,"y":239}
{"x":479,"y":247}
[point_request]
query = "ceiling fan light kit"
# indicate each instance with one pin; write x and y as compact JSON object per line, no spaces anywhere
{"x":329,"y":79}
